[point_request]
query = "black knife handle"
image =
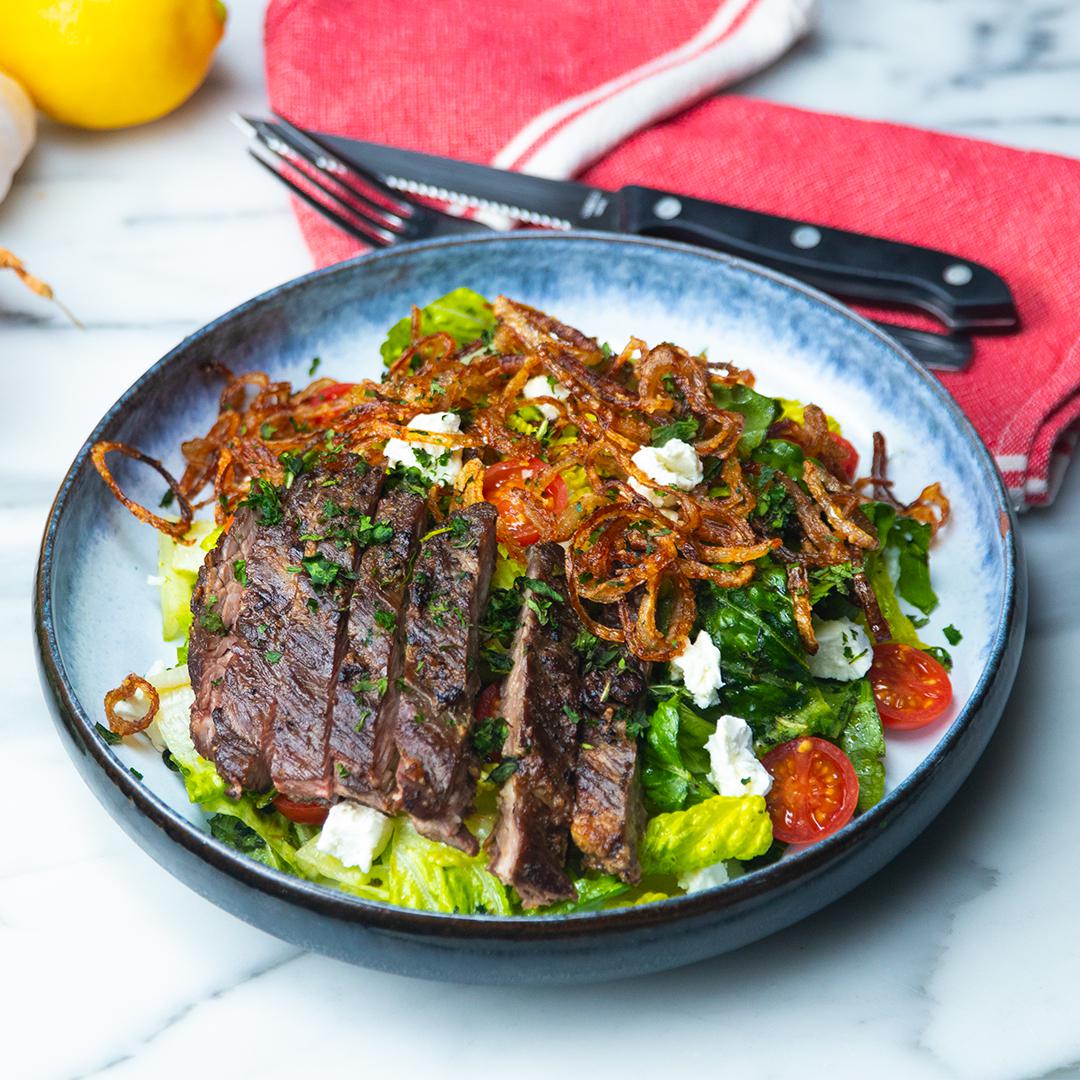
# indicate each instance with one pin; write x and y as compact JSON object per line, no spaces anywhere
{"x":962,"y":294}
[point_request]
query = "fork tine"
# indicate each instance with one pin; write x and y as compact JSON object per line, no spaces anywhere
{"x":366,"y":232}
{"x":331,"y":169}
{"x":370,"y":214}
{"x":299,"y":137}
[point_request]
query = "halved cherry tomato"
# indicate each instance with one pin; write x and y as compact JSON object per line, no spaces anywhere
{"x":814,"y":792}
{"x":911,"y":688}
{"x":505,"y":475}
{"x":301,"y":813}
{"x":850,"y":462}
{"x":331,"y":392}
{"x":488,"y":702}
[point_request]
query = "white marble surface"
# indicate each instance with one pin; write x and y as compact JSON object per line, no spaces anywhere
{"x":960,"y":960}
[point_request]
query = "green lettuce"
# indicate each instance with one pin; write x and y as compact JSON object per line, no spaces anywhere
{"x":862,"y":738}
{"x":327,"y":869}
{"x":766,"y":677}
{"x":429,"y":876}
{"x":674,"y":760}
{"x":758,"y":412}
{"x":884,"y":519}
{"x":709,"y":832}
{"x":463,"y":314}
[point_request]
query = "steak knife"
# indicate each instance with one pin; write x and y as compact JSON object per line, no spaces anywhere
{"x":961,"y":293}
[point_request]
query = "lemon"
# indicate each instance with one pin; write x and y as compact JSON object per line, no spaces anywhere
{"x":109,"y":63}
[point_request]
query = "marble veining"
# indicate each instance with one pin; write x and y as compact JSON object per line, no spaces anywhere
{"x":956,"y":961}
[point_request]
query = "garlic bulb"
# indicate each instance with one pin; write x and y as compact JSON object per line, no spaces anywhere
{"x":18,"y":125}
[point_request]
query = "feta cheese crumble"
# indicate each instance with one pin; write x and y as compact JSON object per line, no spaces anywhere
{"x":733,"y":768}
{"x":545,"y":386}
{"x":439,"y":464}
{"x":698,"y":665}
{"x":675,"y":464}
{"x":844,"y":651}
{"x":705,"y":878}
{"x":355,"y":835}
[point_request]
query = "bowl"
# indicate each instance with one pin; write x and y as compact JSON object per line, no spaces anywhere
{"x":96,"y":618}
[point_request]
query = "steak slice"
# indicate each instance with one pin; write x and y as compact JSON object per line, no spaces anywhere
{"x":608,"y":809}
{"x":436,"y":772}
{"x":232,"y":733}
{"x":329,"y":503}
{"x":540,"y":703}
{"x":366,"y":692}
{"x":263,"y":639}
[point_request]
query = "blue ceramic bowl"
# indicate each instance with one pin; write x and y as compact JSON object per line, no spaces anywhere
{"x":96,"y":619}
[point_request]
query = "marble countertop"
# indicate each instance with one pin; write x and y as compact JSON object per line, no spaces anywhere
{"x":959,"y":960}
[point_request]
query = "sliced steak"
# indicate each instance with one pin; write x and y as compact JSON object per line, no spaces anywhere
{"x":436,"y":772}
{"x":232,"y":733}
{"x":366,"y":691}
{"x":540,"y":703}
{"x":326,"y":508}
{"x":263,"y":639}
{"x":608,"y":809}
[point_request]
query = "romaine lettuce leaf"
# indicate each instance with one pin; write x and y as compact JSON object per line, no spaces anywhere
{"x":429,"y":876}
{"x":884,"y":519}
{"x":862,"y":738}
{"x":326,"y":869}
{"x":758,"y":412}
{"x":463,"y":314}
{"x":717,"y":829}
{"x":674,"y":761}
{"x":178,"y":565}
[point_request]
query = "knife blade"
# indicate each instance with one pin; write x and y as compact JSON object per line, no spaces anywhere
{"x":964,"y":295}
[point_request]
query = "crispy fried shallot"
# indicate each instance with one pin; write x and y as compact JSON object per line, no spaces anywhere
{"x":126,"y":693}
{"x":635,"y":547}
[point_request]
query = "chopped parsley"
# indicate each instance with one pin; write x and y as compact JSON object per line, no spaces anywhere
{"x":488,"y":735}
{"x":407,"y":478}
{"x":365,"y":686}
{"x":343,"y":771}
{"x":232,"y":831}
{"x":210,"y":620}
{"x":110,"y":737}
{"x":135,"y":772}
{"x":315,"y":362}
{"x":265,"y":502}
{"x":386,"y":619}
{"x":167,"y":498}
{"x":543,"y":595}
{"x":322,"y":571}
{"x":267,"y":431}
{"x":685,"y":429}
{"x":952,"y":635}
{"x":503,"y":771}
{"x":296,"y":464}
{"x":273,"y":656}
{"x":239,"y":569}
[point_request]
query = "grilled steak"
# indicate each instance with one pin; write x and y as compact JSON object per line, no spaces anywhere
{"x":228,"y":727}
{"x":541,"y":698}
{"x":264,"y":639}
{"x":608,"y":808}
{"x":299,"y":749}
{"x":436,"y":772}
{"x":366,"y":691}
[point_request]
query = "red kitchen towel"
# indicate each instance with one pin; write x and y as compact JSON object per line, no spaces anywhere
{"x":550,"y":88}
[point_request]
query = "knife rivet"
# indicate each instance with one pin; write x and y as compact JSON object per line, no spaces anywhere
{"x":806,"y":236}
{"x":667,"y":208}
{"x":957,"y":274}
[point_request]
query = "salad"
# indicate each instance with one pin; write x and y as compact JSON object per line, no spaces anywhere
{"x":530,"y":625}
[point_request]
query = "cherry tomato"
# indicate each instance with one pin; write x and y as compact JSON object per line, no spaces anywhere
{"x":301,"y":813}
{"x":506,"y":475}
{"x":911,"y":688}
{"x":814,"y":792}
{"x":850,"y":462}
{"x":488,"y":702}
{"x":331,"y":392}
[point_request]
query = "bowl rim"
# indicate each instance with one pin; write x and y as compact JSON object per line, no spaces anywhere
{"x":347,"y":908}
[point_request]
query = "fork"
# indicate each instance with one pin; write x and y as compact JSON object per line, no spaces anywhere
{"x":364,"y":206}
{"x":357,"y":201}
